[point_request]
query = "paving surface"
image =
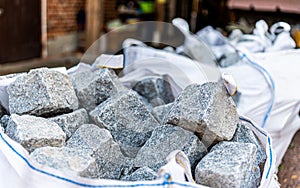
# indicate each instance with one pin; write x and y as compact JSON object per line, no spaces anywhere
{"x":289,"y":170}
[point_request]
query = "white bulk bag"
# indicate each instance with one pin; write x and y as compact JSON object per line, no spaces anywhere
{"x":256,"y":95}
{"x":17,"y":170}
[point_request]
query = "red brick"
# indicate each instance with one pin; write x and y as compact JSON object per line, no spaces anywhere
{"x":61,"y":16}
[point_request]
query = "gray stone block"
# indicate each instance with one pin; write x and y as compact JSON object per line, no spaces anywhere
{"x":156,"y":90}
{"x":228,"y":164}
{"x":42,"y":92}
{"x":34,"y":132}
{"x":127,"y":119}
{"x":99,"y":143}
{"x":4,"y":121}
{"x":144,"y":100}
{"x":253,"y":178}
{"x":163,"y":141}
{"x":71,"y":121}
{"x":94,"y":87}
{"x":90,"y":137}
{"x":2,"y":111}
{"x":67,"y":160}
{"x":207,"y":110}
{"x":160,"y":112}
{"x":245,"y":135}
{"x":141,"y":174}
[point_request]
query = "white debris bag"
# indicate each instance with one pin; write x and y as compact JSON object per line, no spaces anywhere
{"x":17,"y":170}
{"x":256,"y":94}
{"x":179,"y":71}
{"x":268,"y":81}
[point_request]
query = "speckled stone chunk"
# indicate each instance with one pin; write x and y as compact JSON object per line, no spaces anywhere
{"x":244,"y":134}
{"x":34,"y":132}
{"x":94,"y":87}
{"x":160,"y":112}
{"x":163,"y":141}
{"x":42,"y":92}
{"x":67,"y":160}
{"x":141,"y":174}
{"x":90,"y":137}
{"x":2,"y":110}
{"x":253,"y":178}
{"x":127,"y":119}
{"x":156,"y":90}
{"x":99,"y":143}
{"x":228,"y":164}
{"x":4,"y":121}
{"x":207,"y":110}
{"x":71,"y":121}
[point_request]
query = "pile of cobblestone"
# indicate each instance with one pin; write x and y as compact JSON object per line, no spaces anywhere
{"x":88,"y":124}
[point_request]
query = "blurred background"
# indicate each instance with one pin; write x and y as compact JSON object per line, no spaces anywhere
{"x":47,"y":28}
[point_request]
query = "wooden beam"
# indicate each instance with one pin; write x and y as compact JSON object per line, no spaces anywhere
{"x":94,"y":21}
{"x":172,"y":9}
{"x":160,"y":10}
{"x":44,"y":38}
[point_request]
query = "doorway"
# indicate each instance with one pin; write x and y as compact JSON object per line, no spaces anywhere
{"x":20,"y":30}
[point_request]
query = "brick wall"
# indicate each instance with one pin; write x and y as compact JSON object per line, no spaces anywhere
{"x":62,"y":35}
{"x":110,"y":12}
{"x":61,"y":16}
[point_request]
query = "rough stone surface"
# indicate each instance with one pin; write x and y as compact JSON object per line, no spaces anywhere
{"x":127,"y":119}
{"x":4,"y":121}
{"x":2,"y":111}
{"x":228,"y":164}
{"x":71,"y":121}
{"x":34,"y":132}
{"x":160,"y":112}
{"x":42,"y":92}
{"x":253,"y":177}
{"x":90,"y":137}
{"x":245,"y":135}
{"x":98,"y":142}
{"x":207,"y":110}
{"x":141,"y":174}
{"x":163,"y":141}
{"x":144,"y":100}
{"x":92,"y":88}
{"x":156,"y":90}
{"x":67,"y":160}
